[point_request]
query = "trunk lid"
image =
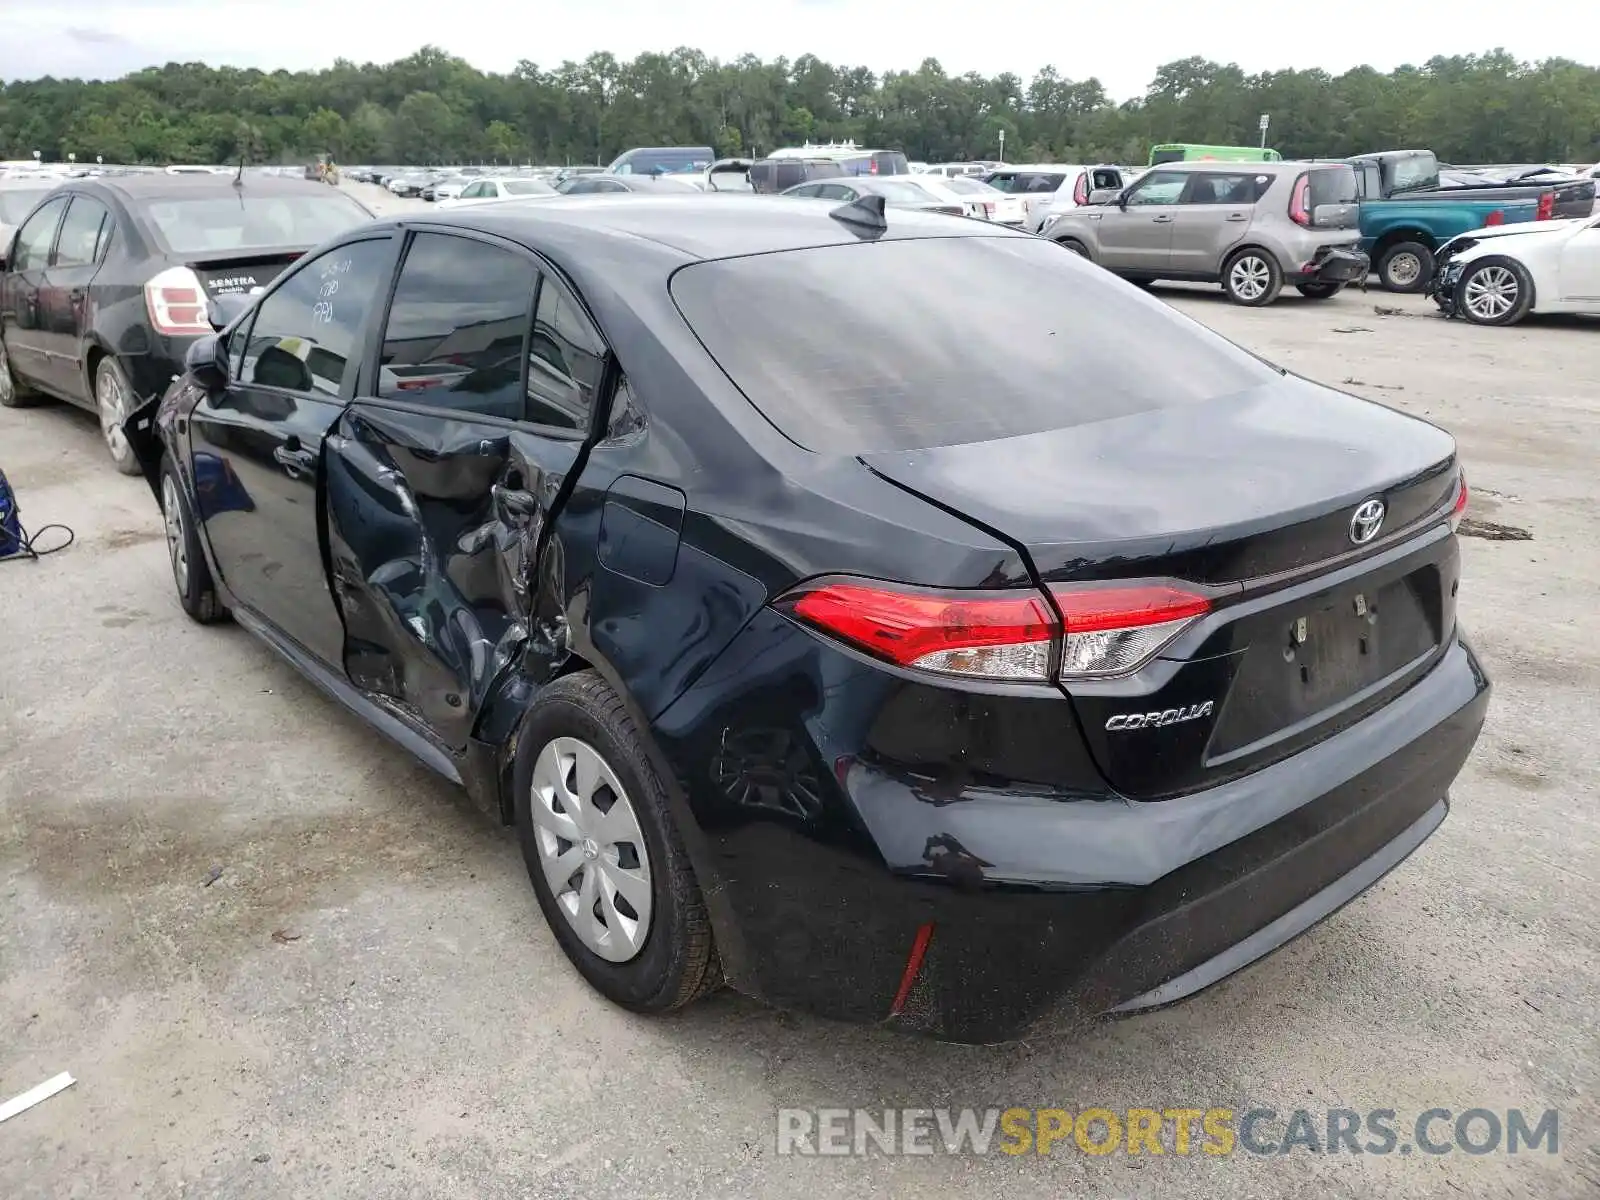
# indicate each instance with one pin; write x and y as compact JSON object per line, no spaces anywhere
{"x":239,"y":272}
{"x":1252,"y":497}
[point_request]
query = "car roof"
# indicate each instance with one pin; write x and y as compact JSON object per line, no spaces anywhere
{"x":1255,"y":168}
{"x":175,"y":187}
{"x":696,"y":227}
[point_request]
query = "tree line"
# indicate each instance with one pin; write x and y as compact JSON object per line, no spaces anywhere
{"x":432,"y":107}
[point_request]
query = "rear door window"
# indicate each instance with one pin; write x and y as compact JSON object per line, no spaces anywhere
{"x":457,"y":327}
{"x":82,"y":233}
{"x":1037,"y":183}
{"x":566,"y":360}
{"x":1220,"y":187}
{"x":840,"y":372}
{"x":35,"y":237}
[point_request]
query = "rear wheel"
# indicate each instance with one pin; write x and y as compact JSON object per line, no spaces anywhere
{"x":13,"y":392}
{"x":1252,"y":278}
{"x":1074,"y":246}
{"x":1319,"y":291}
{"x":604,"y":854}
{"x":113,"y":401}
{"x":1495,"y":291}
{"x":1405,"y":267}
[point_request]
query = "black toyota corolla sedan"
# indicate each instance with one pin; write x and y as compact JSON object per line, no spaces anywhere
{"x":884,"y":650}
{"x":107,"y":282}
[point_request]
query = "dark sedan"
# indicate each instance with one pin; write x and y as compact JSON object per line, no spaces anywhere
{"x":106,"y":284}
{"x":807,"y":650}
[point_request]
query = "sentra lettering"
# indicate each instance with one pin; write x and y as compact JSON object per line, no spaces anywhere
{"x":1153,"y":720}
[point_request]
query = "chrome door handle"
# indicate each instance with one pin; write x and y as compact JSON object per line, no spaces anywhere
{"x":1161,"y":220}
{"x":294,"y":462}
{"x":1238,"y":217}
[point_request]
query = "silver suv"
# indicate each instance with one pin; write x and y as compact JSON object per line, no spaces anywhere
{"x":1252,"y":227}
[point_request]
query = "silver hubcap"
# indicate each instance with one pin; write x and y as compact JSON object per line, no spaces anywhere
{"x":591,"y":848}
{"x":1404,"y":269}
{"x":7,"y":388}
{"x":1249,"y":277}
{"x":176,"y":546}
{"x":113,"y":408}
{"x":1491,"y":293}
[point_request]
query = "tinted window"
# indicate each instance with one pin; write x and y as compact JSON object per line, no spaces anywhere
{"x":1106,"y":178}
{"x":565,"y":362}
{"x":891,"y":162}
{"x":1159,"y":187}
{"x":1004,"y":182}
{"x":1333,"y":185}
{"x":1219,"y":188}
{"x":1038,"y":183}
{"x":81,"y":232}
{"x":839,"y":371}
{"x":33,"y":240}
{"x":189,"y":225}
{"x":1166,"y":154}
{"x":457,"y":327}
{"x":309,"y":329}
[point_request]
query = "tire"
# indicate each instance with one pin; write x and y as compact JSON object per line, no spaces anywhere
{"x":1252,"y":278}
{"x":1405,"y":267}
{"x":113,"y":402}
{"x":670,"y":961}
{"x":1494,"y":291}
{"x":190,"y":573}
{"x":1319,"y":291}
{"x":13,"y":392}
{"x":1073,"y":246}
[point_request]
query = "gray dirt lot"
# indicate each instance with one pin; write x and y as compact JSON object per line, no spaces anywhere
{"x":414,"y":1031}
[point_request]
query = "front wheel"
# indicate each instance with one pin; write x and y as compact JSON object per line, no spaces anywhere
{"x":605,"y":857}
{"x":1319,"y":291}
{"x":114,"y":402}
{"x":1405,"y":267}
{"x":1252,"y":278}
{"x":1073,"y":246}
{"x":1495,"y":291}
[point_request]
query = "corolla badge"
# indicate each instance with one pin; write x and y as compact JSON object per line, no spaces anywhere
{"x":1366,"y":521}
{"x":1154,"y":720}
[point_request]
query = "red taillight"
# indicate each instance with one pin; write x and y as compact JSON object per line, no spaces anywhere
{"x":1547,"y":207}
{"x":1080,"y":190}
{"x":1496,"y":218}
{"x":1299,"y":202}
{"x":176,"y":302}
{"x":1014,"y":634}
{"x":988,"y":209}
{"x":1459,"y":508}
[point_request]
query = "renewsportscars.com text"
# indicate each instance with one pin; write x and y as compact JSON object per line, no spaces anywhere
{"x":1212,"y":1132}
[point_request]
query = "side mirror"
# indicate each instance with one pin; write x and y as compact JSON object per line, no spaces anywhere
{"x":207,"y":360}
{"x":1106,"y":196}
{"x":223,"y":310}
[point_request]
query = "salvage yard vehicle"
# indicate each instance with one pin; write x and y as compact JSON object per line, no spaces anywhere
{"x":887,"y":686}
{"x":1052,"y":188}
{"x":996,"y":205}
{"x":596,"y":183}
{"x":499,"y":187}
{"x":1192,"y":152}
{"x":1499,"y":276}
{"x":107,"y":282}
{"x":894,"y":191}
{"x":1407,"y":214}
{"x":1251,"y":228}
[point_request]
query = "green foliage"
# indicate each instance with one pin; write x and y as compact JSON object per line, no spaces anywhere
{"x":432,"y":107}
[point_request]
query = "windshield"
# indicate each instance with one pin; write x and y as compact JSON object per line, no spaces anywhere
{"x":528,"y":187}
{"x":245,"y":222}
{"x":18,"y":203}
{"x":840,"y":372}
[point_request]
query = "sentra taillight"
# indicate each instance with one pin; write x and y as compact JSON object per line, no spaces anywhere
{"x":176,"y":300}
{"x":1459,"y":508}
{"x":1080,"y":190}
{"x":1116,"y":629}
{"x":1300,"y":202}
{"x":1013,"y":634}
{"x":1547,"y":207}
{"x":976,"y":635}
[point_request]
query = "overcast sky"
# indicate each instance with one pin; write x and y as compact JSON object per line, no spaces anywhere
{"x":1121,"y":43}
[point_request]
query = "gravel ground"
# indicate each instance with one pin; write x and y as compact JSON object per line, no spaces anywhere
{"x":365,"y":1001}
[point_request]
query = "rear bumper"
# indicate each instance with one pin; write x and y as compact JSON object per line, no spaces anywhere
{"x":1335,"y":266}
{"x":1049,"y":909}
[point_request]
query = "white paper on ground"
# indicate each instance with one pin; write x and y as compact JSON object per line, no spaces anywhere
{"x":34,"y":1095}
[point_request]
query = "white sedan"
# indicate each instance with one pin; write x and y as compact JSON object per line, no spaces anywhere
{"x":1499,"y":275}
{"x":513,"y":187}
{"x":997,"y":206}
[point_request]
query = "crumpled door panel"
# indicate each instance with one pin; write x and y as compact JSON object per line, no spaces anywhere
{"x":434,"y":524}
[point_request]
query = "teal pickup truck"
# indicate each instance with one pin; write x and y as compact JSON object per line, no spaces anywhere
{"x":1400,"y":231}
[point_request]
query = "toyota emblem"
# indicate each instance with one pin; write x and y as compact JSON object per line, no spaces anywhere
{"x":1366,"y":521}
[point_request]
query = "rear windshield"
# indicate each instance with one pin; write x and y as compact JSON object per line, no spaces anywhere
{"x":16,"y":203}
{"x":191,"y":225}
{"x":528,"y":187}
{"x":1333,"y":185}
{"x":866,"y":347}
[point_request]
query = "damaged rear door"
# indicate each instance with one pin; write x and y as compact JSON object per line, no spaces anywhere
{"x":446,"y":471}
